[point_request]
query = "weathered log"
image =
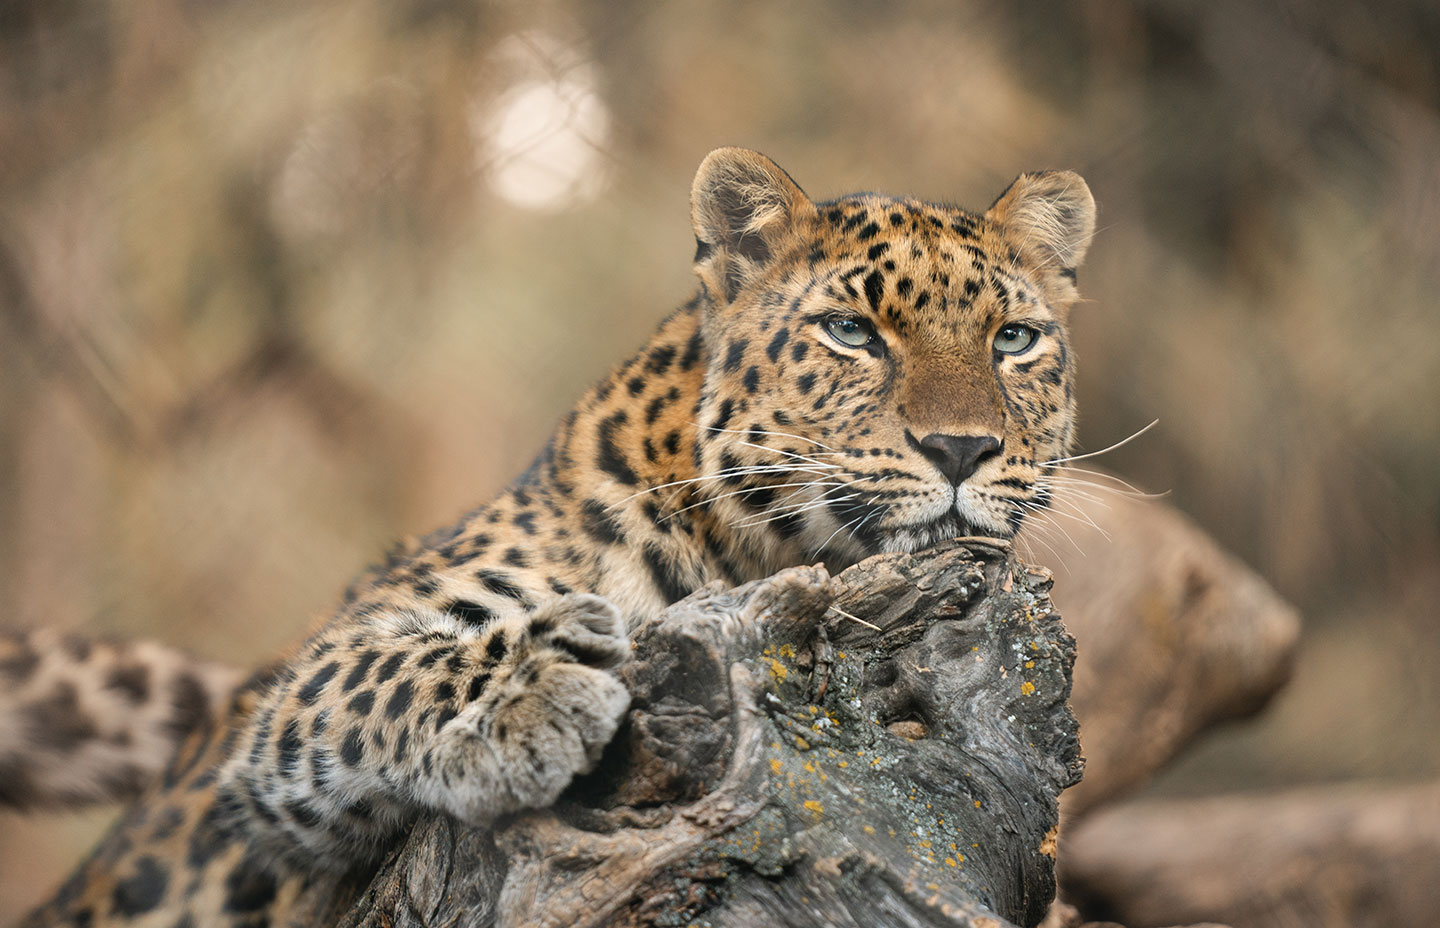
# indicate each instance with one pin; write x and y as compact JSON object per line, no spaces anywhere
{"x":885,"y":747}
{"x":1174,"y":635}
{"x":1324,"y":857}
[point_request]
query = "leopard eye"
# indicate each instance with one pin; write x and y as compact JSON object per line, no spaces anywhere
{"x":1015,"y":339}
{"x":849,"y":331}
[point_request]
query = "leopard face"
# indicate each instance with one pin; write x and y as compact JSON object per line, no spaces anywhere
{"x":898,"y":372}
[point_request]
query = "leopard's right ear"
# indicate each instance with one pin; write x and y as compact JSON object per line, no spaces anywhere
{"x":743,"y":207}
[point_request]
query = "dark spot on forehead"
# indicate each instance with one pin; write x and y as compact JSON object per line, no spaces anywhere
{"x":735,"y":354}
{"x":777,"y":342}
{"x":874,"y":287}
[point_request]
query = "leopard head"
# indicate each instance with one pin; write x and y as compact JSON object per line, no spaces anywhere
{"x":883,"y":373}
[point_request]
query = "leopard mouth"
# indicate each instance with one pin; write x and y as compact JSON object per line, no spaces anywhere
{"x":931,"y":532}
{"x":865,"y":526}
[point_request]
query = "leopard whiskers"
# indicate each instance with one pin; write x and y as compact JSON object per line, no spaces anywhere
{"x":816,"y":442}
{"x":833,"y":478}
{"x":1059,"y":559}
{"x":1041,"y":531}
{"x":1046,"y":516}
{"x":1072,"y":490}
{"x":795,"y":509}
{"x":754,"y":489}
{"x":1066,"y":508}
{"x":854,"y":532}
{"x":793,"y":465}
{"x":1068,"y":477}
{"x":825,"y":498}
{"x":746,"y":470}
{"x":1054,"y":462}
{"x":854,"y":525}
{"x":808,"y":458}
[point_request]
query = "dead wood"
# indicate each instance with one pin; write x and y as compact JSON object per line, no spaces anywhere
{"x":885,"y":747}
{"x":1323,"y":857}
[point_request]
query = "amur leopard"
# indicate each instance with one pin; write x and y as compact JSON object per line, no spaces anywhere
{"x":854,"y":376}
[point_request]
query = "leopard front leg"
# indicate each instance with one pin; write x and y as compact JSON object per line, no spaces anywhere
{"x":540,"y":718}
{"x":421,"y":711}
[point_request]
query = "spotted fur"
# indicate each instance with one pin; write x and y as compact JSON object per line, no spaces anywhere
{"x":472,"y":672}
{"x":90,"y":721}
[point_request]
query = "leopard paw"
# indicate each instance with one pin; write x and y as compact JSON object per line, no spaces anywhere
{"x":585,"y":627}
{"x":545,"y":716}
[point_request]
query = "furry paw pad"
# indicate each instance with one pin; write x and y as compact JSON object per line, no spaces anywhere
{"x":586,"y":628}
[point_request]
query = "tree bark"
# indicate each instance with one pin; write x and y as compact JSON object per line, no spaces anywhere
{"x":883,"y":747}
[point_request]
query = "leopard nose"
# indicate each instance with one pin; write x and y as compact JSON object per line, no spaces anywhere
{"x":957,"y":456}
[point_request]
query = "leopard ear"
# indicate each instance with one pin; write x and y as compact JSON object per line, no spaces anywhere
{"x":744,"y":207}
{"x":1049,"y":218}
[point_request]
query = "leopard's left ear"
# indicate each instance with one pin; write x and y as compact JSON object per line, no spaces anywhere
{"x":1049,"y":218}
{"x":744,"y":207}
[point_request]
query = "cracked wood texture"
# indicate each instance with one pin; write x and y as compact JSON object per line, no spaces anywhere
{"x":882,"y":747}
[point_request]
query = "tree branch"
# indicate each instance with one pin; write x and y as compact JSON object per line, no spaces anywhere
{"x":882,"y":747}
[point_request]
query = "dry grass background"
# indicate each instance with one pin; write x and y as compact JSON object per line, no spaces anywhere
{"x":280,"y":281}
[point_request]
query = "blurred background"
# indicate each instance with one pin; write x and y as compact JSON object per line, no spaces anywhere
{"x":282,"y":281}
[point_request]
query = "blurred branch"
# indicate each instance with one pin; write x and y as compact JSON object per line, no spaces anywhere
{"x":55,"y":355}
{"x":1323,"y":856}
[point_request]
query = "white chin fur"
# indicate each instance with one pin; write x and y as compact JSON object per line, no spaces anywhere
{"x":978,"y":516}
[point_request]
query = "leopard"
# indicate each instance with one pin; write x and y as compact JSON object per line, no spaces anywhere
{"x":86,"y":721}
{"x":853,"y":376}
